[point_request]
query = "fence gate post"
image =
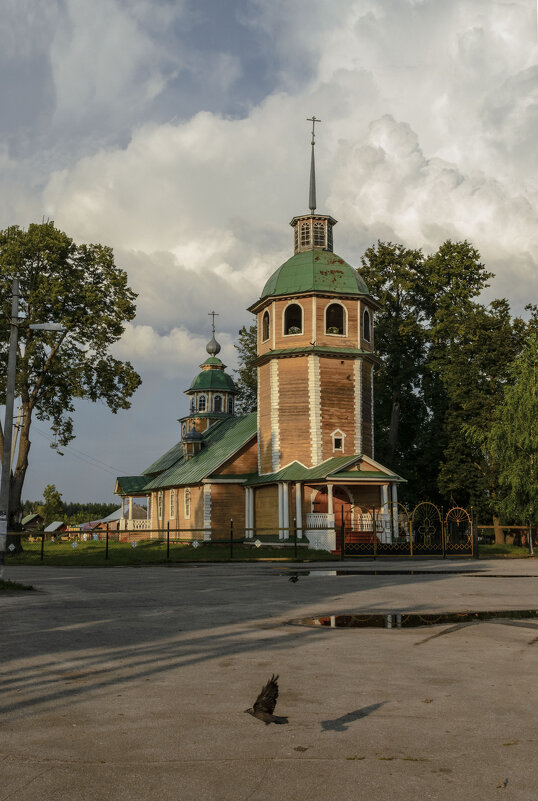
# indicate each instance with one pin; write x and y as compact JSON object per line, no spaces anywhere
{"x":231,"y":537}
{"x":168,"y":541}
{"x":295,"y":538}
{"x":106,"y":544}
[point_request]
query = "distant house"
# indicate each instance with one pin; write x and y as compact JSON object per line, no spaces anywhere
{"x":57,"y":527}
{"x":32,"y":522}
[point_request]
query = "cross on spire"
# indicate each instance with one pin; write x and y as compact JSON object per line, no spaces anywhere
{"x":312,"y":194}
{"x":213,"y":314}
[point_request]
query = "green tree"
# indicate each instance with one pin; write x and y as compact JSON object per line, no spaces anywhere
{"x":247,"y":374}
{"x":52,"y":508}
{"x":513,"y":439}
{"x":80,"y":287}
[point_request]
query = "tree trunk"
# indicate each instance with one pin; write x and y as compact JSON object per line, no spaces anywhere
{"x":17,"y":479}
{"x":497,"y":528}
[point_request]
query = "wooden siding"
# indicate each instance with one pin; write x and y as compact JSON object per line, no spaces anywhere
{"x":264,"y":418}
{"x":227,"y":501}
{"x":266,"y":507}
{"x":244,"y":461}
{"x":294,"y":414}
{"x":337,"y":404}
{"x":367,"y":410}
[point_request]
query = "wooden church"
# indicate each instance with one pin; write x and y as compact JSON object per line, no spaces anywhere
{"x":306,"y":457}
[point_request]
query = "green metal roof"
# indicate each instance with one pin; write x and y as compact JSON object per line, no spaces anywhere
{"x":213,"y":360}
{"x":131,"y":484}
{"x":213,"y":379}
{"x":315,"y":270}
{"x":167,"y":460}
{"x":220,"y":442}
{"x":318,"y":349}
{"x":330,"y":468}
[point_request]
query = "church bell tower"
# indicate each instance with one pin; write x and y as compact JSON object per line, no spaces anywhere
{"x":315,"y":354}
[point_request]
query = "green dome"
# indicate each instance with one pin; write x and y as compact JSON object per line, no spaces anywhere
{"x":315,"y":271}
{"x":213,"y":379}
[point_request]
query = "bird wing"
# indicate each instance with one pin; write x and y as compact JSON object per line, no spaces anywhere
{"x":266,"y":701}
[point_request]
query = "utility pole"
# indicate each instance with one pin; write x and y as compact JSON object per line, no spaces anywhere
{"x":5,"y":483}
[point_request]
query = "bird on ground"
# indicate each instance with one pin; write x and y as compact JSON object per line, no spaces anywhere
{"x":265,"y":703}
{"x":294,"y":579}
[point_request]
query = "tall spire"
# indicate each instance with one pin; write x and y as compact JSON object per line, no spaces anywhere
{"x":312,"y":195}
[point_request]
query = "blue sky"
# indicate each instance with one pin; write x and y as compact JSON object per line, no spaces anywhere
{"x":176,"y":133}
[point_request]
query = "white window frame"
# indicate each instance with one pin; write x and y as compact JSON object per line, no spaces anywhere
{"x":286,"y":307}
{"x":268,"y":337}
{"x":338,"y":434}
{"x":187,"y":502}
{"x":172,"y":504}
{"x":160,"y":505}
{"x":221,"y":396}
{"x":336,"y":303}
{"x":367,"y":339}
{"x":230,"y":404}
{"x":198,"y":409}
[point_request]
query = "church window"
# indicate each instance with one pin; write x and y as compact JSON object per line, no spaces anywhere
{"x":183,"y":430}
{"x":160,"y":505}
{"x":230,"y":405}
{"x":218,"y":403}
{"x":172,"y":504}
{"x":329,"y":237}
{"x":319,"y":234}
{"x":296,"y":238}
{"x":366,"y":326}
{"x":338,"y":440}
{"x":201,"y":403}
{"x":305,"y":233}
{"x":293,"y":319}
{"x":335,"y":319}
{"x":187,"y":499}
{"x":265,"y":326}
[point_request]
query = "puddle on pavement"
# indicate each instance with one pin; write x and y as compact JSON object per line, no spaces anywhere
{"x":466,"y":572}
{"x":404,"y":620}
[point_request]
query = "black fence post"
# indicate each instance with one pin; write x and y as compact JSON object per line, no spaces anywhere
{"x":231,"y":538}
{"x":294,"y":538}
{"x":42,"y":546}
{"x":443,"y":532}
{"x":168,"y":541}
{"x":106,"y":543}
{"x":474,"y":533}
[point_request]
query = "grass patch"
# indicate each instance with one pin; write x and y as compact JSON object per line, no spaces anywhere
{"x":515,"y":551}
{"x":14,"y":586}
{"x":153,"y":552}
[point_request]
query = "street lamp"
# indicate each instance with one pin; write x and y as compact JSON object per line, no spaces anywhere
{"x":8,"y":420}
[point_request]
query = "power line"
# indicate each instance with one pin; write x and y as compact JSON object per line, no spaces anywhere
{"x":84,"y":457}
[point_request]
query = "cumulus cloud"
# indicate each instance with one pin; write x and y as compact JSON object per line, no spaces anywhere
{"x":429,"y":121}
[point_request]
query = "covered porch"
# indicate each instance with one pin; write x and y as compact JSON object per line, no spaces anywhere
{"x":130,"y":488}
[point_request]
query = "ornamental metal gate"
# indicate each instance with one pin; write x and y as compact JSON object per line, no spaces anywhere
{"x":394,"y":531}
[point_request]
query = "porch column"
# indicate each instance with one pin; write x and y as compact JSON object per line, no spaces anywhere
{"x":385,"y":520}
{"x":286,"y":510}
{"x":394,"y":498}
{"x":280,"y":512}
{"x":249,"y":512}
{"x":330,"y":508}
{"x":130,"y":507}
{"x":299,"y":509}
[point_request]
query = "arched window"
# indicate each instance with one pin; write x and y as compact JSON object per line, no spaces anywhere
{"x":319,"y":234}
{"x":265,"y":326}
{"x":160,"y":505}
{"x":172,"y":504}
{"x":187,"y":500}
{"x":230,"y":405}
{"x":338,"y":438}
{"x":305,"y":233}
{"x":218,"y":403}
{"x":293,"y":319}
{"x":183,"y":430}
{"x":335,"y":319}
{"x":201,"y":403}
{"x":366,"y":332}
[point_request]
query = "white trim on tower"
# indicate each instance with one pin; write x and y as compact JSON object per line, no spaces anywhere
{"x":314,"y":398}
{"x":275,"y":423}
{"x":357,"y":375}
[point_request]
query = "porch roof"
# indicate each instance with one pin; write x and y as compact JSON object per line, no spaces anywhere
{"x":130,"y":485}
{"x":330,"y":469}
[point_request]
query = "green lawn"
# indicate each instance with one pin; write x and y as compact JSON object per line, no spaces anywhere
{"x":514,"y":551}
{"x":152,"y":552}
